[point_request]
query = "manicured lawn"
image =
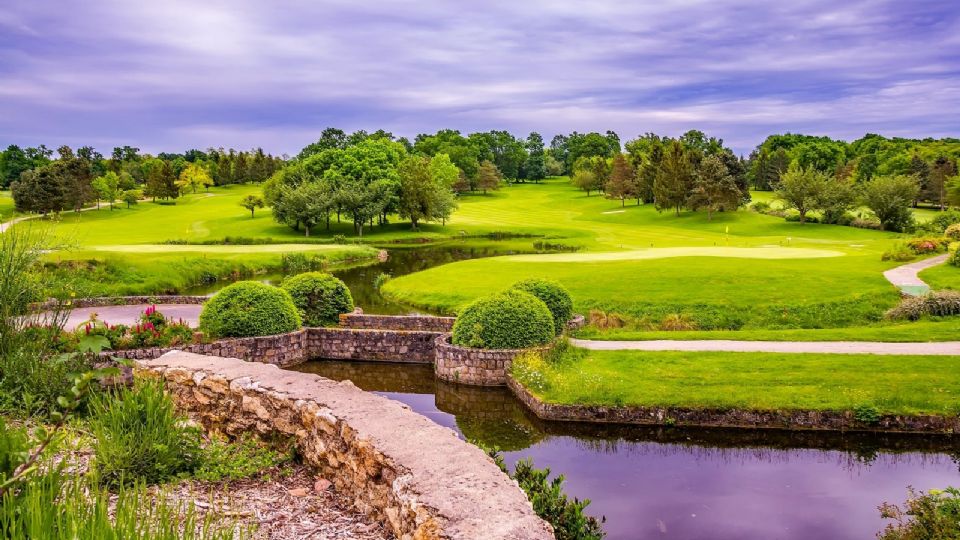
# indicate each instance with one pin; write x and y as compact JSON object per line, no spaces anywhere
{"x":6,"y":205}
{"x":920,"y":331}
{"x":757,"y":381}
{"x":944,"y":276}
{"x":177,"y":268}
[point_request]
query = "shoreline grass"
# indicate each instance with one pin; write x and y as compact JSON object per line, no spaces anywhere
{"x":909,"y":385}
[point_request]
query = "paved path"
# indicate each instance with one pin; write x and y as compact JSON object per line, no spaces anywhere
{"x":825,"y":347}
{"x":906,"y":279}
{"x":129,"y":315}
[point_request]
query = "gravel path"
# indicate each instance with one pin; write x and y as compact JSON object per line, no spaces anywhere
{"x":825,"y":347}
{"x":906,"y":277}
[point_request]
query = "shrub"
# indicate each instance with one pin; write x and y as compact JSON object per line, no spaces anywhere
{"x":139,"y":436}
{"x":320,"y":298}
{"x":760,"y":206}
{"x":249,"y":308}
{"x":952,"y":232}
{"x":676,"y":322}
{"x":931,"y":516}
{"x":508,"y":320}
{"x":935,"y":304}
{"x":955,"y":257}
{"x":900,"y":251}
{"x":871,"y":224}
{"x":942,"y":221}
{"x":242,"y":458}
{"x":554,"y":295}
{"x":30,"y":383}
{"x":923,"y":246}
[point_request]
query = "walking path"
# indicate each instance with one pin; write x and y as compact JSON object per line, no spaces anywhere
{"x":906,"y":277}
{"x":946,"y":348}
{"x":130,"y":315}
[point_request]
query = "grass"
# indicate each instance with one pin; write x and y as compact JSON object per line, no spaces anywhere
{"x":754,"y":381}
{"x":944,"y":276}
{"x":929,"y":331}
{"x":6,"y":206}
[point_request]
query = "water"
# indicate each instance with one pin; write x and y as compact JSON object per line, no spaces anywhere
{"x":684,"y":483}
{"x":400,"y":261}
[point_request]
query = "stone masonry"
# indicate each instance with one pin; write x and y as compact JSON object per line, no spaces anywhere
{"x":397,"y":466}
{"x":483,"y":367}
{"x":426,"y":323}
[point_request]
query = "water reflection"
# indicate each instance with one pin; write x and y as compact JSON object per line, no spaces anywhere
{"x":656,"y":482}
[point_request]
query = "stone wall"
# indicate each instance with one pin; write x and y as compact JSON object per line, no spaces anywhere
{"x":377,"y":345}
{"x":483,"y":367}
{"x":282,"y":350}
{"x":400,"y":468}
{"x":427,"y":323}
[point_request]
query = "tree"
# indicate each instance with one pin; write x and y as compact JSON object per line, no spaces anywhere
{"x":890,"y":198}
{"x":552,"y":165}
{"x":943,"y":169}
{"x":161,"y":182}
{"x":488,"y":177}
{"x":252,"y":202}
{"x":801,"y":189}
{"x":714,"y":187}
{"x":38,"y":190}
{"x":623,"y":182}
{"x":445,"y":176}
{"x":674,"y":178}
{"x":107,"y":187}
{"x":132,"y":197}
{"x":194,"y":176}
{"x":426,"y":188}
{"x":585,"y":180}
{"x":306,"y":205}
{"x":838,"y":197}
{"x":535,"y":167}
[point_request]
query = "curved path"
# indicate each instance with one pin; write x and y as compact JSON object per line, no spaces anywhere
{"x":945,"y":348}
{"x":7,"y":224}
{"x":129,"y":315}
{"x":907,"y":279}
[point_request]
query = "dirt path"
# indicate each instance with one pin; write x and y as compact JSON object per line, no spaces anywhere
{"x":947,"y":348}
{"x":906,"y":277}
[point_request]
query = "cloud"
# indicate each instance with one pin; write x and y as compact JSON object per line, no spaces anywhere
{"x":173,"y":74}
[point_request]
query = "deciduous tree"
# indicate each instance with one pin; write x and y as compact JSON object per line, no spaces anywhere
{"x":890,"y":198}
{"x":801,"y":189}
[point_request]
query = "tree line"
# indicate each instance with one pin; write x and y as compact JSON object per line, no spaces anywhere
{"x":42,"y":183}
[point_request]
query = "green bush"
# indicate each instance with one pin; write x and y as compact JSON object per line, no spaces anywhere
{"x":924,"y":246}
{"x":554,"y":295}
{"x":900,"y":252}
{"x":138,"y":435}
{"x":507,"y":320}
{"x":934,"y":515}
{"x":249,"y":308}
{"x":955,"y":257}
{"x":320,"y":298}
{"x":935,"y":304}
{"x":31,"y":382}
{"x":952,"y":232}
{"x":233,"y":460}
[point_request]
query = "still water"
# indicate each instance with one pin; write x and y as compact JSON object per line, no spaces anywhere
{"x":677,"y":483}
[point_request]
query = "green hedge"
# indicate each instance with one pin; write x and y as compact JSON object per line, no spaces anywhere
{"x":508,"y":320}
{"x":554,"y":295}
{"x":249,"y":308}
{"x":319,"y":297}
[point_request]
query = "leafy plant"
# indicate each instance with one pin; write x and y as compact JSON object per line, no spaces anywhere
{"x":554,"y":295}
{"x":934,"y":515}
{"x":320,"y":298}
{"x":508,"y":320}
{"x":935,"y":304}
{"x":866,"y":414}
{"x":249,"y":308}
{"x":139,"y":436}
{"x":233,"y":460}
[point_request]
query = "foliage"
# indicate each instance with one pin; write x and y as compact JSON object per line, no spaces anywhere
{"x":900,"y":251}
{"x":549,"y":501}
{"x":934,"y":304}
{"x":924,"y":246}
{"x":320,"y":298}
{"x":674,"y":178}
{"x":152,"y":330}
{"x":234,"y":460}
{"x":714,"y":188}
{"x":952,"y":232}
{"x":890,"y":198}
{"x":138,"y":435}
{"x":508,"y":320}
{"x":252,"y":202}
{"x":249,"y":308}
{"x":193,"y":177}
{"x":954,"y":259}
{"x":426,"y":188}
{"x":934,"y":515}
{"x":866,"y":414}
{"x":801,"y":189}
{"x":554,"y":295}
{"x":623,"y":181}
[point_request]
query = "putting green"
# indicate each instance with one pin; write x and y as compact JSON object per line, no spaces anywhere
{"x":663,"y":253}
{"x":218,"y":249}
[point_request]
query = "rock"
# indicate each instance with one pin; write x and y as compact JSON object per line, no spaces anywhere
{"x":299,"y":492}
{"x":321,"y":485}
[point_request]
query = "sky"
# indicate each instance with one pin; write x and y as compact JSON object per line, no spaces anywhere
{"x":172,"y":75}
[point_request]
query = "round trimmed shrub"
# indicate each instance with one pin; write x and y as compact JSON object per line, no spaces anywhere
{"x":554,"y":295}
{"x":249,"y":308}
{"x":319,"y":297}
{"x":508,"y":320}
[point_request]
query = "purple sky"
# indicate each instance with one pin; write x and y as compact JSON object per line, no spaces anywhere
{"x":170,"y":75}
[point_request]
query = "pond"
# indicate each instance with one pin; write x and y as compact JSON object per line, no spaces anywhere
{"x":684,"y":483}
{"x":400,"y":261}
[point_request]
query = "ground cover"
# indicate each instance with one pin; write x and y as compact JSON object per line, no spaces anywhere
{"x":945,"y":276}
{"x":755,"y":381}
{"x":6,"y":205}
{"x":947,"y":329}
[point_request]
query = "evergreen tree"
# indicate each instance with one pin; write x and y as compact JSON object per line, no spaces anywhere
{"x":714,"y":188}
{"x":623,"y":183}
{"x":674,"y":179}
